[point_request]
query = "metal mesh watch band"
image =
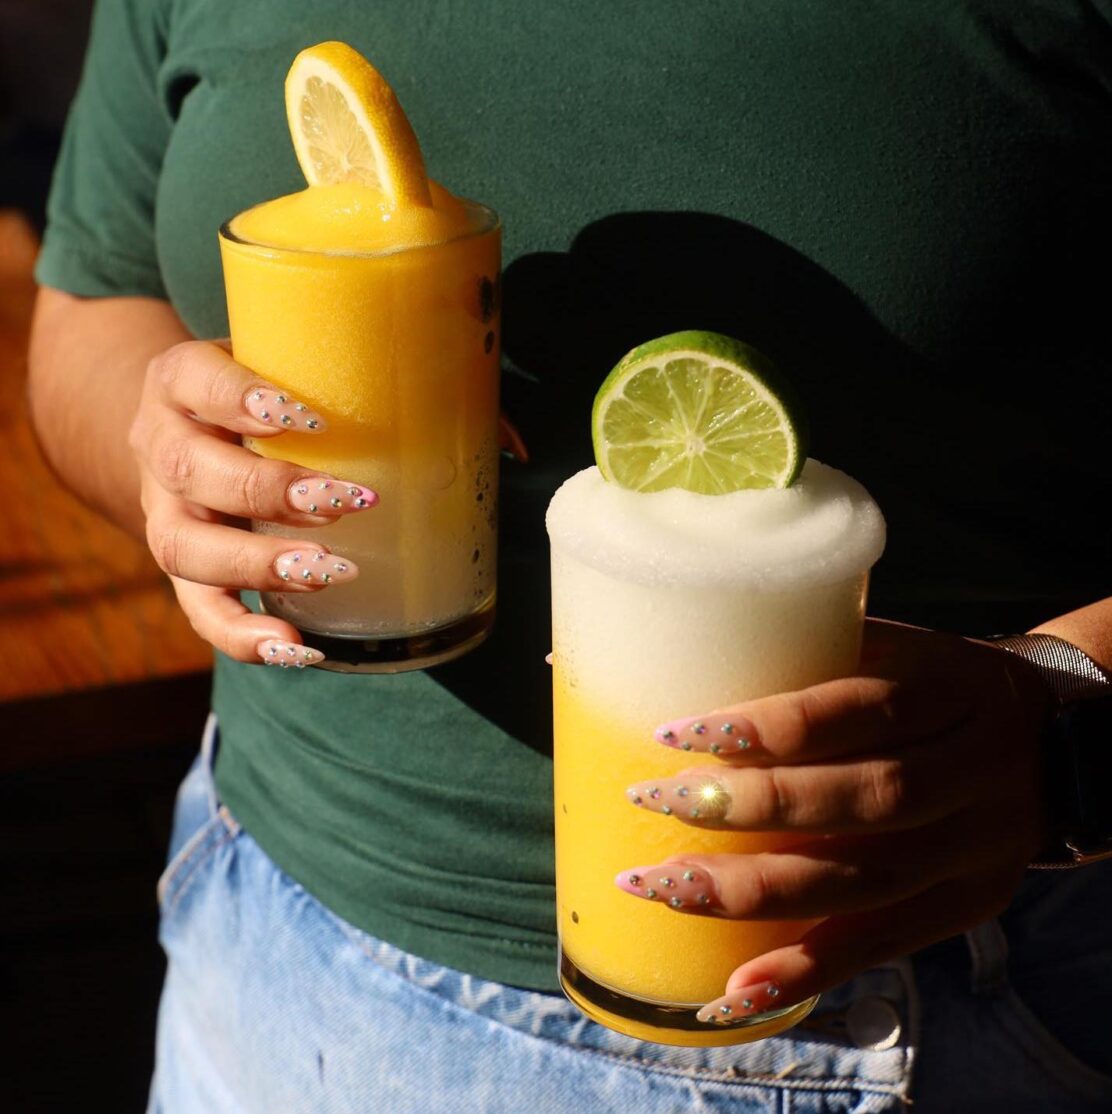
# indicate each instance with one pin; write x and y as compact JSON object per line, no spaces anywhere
{"x":1077,"y":755}
{"x":1069,"y":672}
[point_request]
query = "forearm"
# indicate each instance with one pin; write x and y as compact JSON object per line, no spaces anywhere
{"x":1089,"y":628}
{"x":88,"y":358}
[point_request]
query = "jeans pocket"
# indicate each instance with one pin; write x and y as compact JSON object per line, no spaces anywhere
{"x":184,"y":867}
{"x":201,"y":824}
{"x":1045,"y":1049}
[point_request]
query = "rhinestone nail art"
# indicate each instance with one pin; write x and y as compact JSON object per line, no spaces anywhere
{"x":720,"y":734}
{"x":748,"y":1000}
{"x":314,"y":566}
{"x":287,"y":655}
{"x":690,"y":888}
{"x":320,"y":496}
{"x":708,"y":798}
{"x":278,"y":409}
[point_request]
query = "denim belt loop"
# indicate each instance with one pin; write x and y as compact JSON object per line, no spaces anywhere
{"x":208,"y":762}
{"x":988,"y":951}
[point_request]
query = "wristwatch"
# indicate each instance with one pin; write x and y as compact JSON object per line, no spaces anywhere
{"x":1077,"y":749}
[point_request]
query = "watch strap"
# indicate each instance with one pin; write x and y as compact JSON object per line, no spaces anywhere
{"x":1068,"y":671}
{"x":1077,"y":749}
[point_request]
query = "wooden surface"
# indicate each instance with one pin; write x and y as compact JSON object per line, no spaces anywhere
{"x":82,"y":605}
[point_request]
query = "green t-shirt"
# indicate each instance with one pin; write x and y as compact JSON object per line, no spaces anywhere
{"x":905,"y":204}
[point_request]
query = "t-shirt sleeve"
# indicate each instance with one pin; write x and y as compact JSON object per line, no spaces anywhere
{"x":100,"y":239}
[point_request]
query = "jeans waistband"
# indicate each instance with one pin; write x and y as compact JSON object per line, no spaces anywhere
{"x":871,"y":1020}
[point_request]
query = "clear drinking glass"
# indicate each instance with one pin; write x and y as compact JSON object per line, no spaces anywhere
{"x":398,"y":349}
{"x":666,"y":605}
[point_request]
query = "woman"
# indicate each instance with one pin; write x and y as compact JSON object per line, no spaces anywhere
{"x":896,"y":205}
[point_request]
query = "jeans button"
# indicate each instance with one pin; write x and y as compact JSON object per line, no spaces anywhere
{"x":873,"y":1023}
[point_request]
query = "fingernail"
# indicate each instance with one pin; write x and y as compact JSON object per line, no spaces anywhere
{"x":741,"y":1003}
{"x":692,"y":797}
{"x":714,"y":734}
{"x":315,"y":566}
{"x":278,"y":409}
{"x":548,"y":658}
{"x":289,"y":655}
{"x":320,"y":495}
{"x":674,"y":884}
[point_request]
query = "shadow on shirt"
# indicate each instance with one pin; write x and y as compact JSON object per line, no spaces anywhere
{"x":569,"y":317}
{"x":935,"y":428}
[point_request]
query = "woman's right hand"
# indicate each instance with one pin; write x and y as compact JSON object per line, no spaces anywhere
{"x":197,"y":480}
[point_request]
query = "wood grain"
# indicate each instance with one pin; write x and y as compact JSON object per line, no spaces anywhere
{"x":82,"y":605}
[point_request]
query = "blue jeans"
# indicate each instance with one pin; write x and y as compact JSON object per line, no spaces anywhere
{"x":273,"y":1005}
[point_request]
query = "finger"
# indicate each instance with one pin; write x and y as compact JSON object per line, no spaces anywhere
{"x":816,"y":879}
{"x":842,"y":947}
{"x":877,"y":792}
{"x":220,"y":619}
{"x":201,"y":378}
{"x":852,"y":715}
{"x":223,"y":476}
{"x":510,"y":440}
{"x":190,"y":548}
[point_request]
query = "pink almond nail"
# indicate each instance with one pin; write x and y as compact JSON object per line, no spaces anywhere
{"x":719,"y":733}
{"x":686,"y":797}
{"x":315,"y":567}
{"x":288,"y":655}
{"x":278,"y":409}
{"x":323,"y":495}
{"x":676,"y":885}
{"x":748,"y":1000}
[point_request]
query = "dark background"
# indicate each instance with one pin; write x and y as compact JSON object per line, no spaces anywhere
{"x":41,"y":47}
{"x":87,"y":778}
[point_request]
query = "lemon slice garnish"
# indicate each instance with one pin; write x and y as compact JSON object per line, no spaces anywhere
{"x":347,"y":125}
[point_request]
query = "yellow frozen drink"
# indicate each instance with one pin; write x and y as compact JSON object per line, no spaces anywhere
{"x":372,"y":296}
{"x":668,"y":602}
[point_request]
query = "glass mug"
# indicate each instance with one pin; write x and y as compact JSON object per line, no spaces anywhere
{"x":399,"y":350}
{"x":646,"y":631}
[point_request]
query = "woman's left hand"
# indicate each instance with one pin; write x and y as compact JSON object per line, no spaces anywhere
{"x":919,"y":780}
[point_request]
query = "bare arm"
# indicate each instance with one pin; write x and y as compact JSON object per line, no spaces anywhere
{"x":1090,"y":628}
{"x":144,"y":423}
{"x":88,"y":361}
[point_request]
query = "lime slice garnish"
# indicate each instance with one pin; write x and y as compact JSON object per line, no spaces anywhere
{"x":699,"y":411}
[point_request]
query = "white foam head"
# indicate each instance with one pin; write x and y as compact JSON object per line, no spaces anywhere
{"x":824,"y":528}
